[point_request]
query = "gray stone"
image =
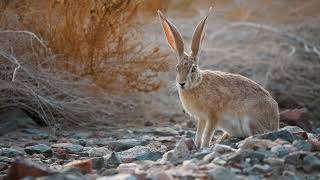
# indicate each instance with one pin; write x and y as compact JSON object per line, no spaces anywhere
{"x":232,"y":142}
{"x":280,"y":150}
{"x":240,"y":156}
{"x":295,"y":158}
{"x":112,"y":160}
{"x":97,"y":163}
{"x":99,"y":152}
{"x":222,"y":149}
{"x":39,"y":149}
{"x":221,"y":173}
{"x":69,"y":147}
{"x":311,"y":163}
{"x":166,"y":131}
{"x":11,"y":152}
{"x":118,"y":177}
{"x":257,"y":168}
{"x":281,"y":134}
{"x":124,"y":144}
{"x":302,"y":145}
{"x":211,"y":156}
{"x":4,"y":159}
{"x":181,"y":151}
{"x":139,"y":153}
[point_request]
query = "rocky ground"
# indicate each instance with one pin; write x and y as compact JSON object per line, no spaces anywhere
{"x":153,"y":153}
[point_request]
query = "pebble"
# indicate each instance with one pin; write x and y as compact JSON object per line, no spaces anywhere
{"x":11,"y":152}
{"x":124,"y":144}
{"x":302,"y":145}
{"x":99,"y":152}
{"x":221,"y":173}
{"x":139,"y":153}
{"x":39,"y":149}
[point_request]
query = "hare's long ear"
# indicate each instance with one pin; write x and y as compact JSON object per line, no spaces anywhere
{"x":198,"y":36}
{"x":172,"y":34}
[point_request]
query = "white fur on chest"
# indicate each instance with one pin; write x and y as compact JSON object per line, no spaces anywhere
{"x":236,"y":126}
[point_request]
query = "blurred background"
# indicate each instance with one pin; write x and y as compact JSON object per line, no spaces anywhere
{"x":103,"y":62}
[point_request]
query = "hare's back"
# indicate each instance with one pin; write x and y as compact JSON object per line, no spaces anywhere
{"x":234,"y":85}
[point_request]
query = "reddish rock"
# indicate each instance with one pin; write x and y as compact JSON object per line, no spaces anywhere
{"x":190,"y":144}
{"x":315,"y":144}
{"x":296,"y":117}
{"x":21,"y":168}
{"x":85,"y":166}
{"x":3,"y":166}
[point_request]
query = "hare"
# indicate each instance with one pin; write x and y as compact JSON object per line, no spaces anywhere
{"x":231,"y":102}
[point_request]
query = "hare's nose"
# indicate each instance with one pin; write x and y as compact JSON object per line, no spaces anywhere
{"x":182,"y":84}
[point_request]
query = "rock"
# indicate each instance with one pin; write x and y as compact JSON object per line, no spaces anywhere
{"x":296,"y":131}
{"x":128,"y":168}
{"x":21,"y":168}
{"x":222,"y":149}
{"x":5,"y":159}
{"x":201,"y":154}
{"x":296,"y":117}
{"x":11,"y":152}
{"x":221,"y":173}
{"x":69,"y":174}
{"x":118,"y":177}
{"x":36,"y":132}
{"x":242,"y":155}
{"x":253,"y":143}
{"x":139,"y":153}
{"x":165,"y":131}
{"x":295,"y":158}
{"x":190,"y":144}
{"x":180,"y":152}
{"x":165,"y":139}
{"x":230,"y":142}
{"x":219,"y":161}
{"x":315,"y":144}
{"x":302,"y":145}
{"x":68,"y":147}
{"x":112,"y":160}
{"x":281,"y":134}
{"x":274,"y":162}
{"x":257,"y":168}
{"x":99,"y":152}
{"x":97,"y":163}
{"x":85,"y":166}
{"x":161,"y":176}
{"x":211,"y":156}
{"x":13,"y":118}
{"x":311,"y":163}
{"x":124,"y":144}
{"x":39,"y":149}
{"x":281,"y":150}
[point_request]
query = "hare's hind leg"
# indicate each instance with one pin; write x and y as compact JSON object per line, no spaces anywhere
{"x":200,"y":129}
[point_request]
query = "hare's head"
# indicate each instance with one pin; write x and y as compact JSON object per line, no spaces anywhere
{"x":188,"y":73}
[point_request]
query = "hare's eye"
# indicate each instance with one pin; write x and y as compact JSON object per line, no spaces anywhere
{"x":177,"y":68}
{"x":194,"y":68}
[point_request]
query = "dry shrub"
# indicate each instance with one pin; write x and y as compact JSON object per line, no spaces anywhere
{"x":84,"y":43}
{"x":101,"y":39}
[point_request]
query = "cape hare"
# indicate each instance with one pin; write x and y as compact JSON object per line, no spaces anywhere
{"x":231,"y":102}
